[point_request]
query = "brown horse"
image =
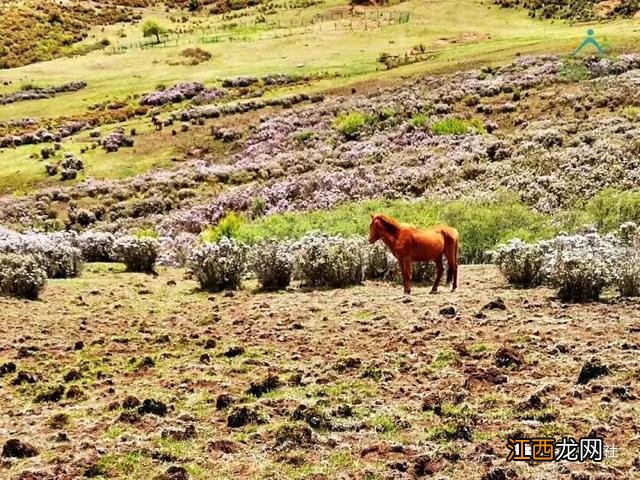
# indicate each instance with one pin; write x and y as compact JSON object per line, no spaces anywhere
{"x":412,"y":244}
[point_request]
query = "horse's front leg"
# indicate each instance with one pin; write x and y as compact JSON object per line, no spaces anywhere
{"x":405,"y":265}
{"x":439,"y":270}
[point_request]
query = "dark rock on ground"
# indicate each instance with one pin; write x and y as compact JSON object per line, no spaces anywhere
{"x":425,"y":465}
{"x":313,"y":416}
{"x":180,"y":435}
{"x":497,"y":304}
{"x":223,"y":401}
{"x":499,"y":473}
{"x":51,"y":394}
{"x":234,"y":351}
{"x":348,"y":363}
{"x":129,"y":417}
{"x":489,"y":375}
{"x":7,"y":368}
{"x":271,"y":382}
{"x":449,"y":311}
{"x":294,"y":435}
{"x":72,"y":375}
{"x":14,"y":448}
{"x":174,"y":473}
{"x":507,"y":357}
{"x":223,"y":445}
{"x":242,"y":416}
{"x":153,"y":406}
{"x":592,"y":369}
{"x":24,"y":377}
{"x":130,"y":402}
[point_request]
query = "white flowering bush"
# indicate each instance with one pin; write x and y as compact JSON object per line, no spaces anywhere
{"x":272,"y":262}
{"x":57,"y":253}
{"x":324,"y":261}
{"x":219,"y":266}
{"x":96,"y":246}
{"x":21,"y":276}
{"x":628,"y":281}
{"x":137,"y":253}
{"x":174,"y":250}
{"x":522,"y":263}
{"x":381,"y":264}
{"x":579,"y":266}
{"x":629,"y":232}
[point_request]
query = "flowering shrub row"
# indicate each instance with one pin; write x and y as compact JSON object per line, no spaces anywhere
{"x":579,"y":266}
{"x":56,"y":253}
{"x":174,"y":94}
{"x":316,"y":260}
{"x":35,"y":93}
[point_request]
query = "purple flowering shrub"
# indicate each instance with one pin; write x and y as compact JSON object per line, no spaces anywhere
{"x":174,"y":94}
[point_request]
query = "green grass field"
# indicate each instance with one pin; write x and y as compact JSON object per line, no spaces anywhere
{"x":459,"y":33}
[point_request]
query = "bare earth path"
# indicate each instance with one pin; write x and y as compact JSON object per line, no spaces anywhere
{"x":352,"y":383}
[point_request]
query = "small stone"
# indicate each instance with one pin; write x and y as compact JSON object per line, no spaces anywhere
{"x":497,"y":304}
{"x":449,"y":311}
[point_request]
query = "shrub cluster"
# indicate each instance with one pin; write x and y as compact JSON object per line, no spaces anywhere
{"x":96,"y":246}
{"x":522,"y":263}
{"x":28,"y":92}
{"x":57,"y":253}
{"x":115,"y":140}
{"x":137,"y":253}
{"x":219,"y":266}
{"x":324,"y":261}
{"x":174,"y":94}
{"x":21,"y":276}
{"x":579,"y":266}
{"x":272,"y":262}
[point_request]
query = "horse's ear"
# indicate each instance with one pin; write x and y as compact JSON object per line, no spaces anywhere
{"x":373,"y":215}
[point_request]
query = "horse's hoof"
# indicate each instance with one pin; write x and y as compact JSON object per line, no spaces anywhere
{"x":433,"y":292}
{"x":453,"y":289}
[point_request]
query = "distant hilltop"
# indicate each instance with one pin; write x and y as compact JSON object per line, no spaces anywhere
{"x":579,"y":10}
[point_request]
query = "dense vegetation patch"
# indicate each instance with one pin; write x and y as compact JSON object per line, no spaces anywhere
{"x":37,"y":31}
{"x":482,"y":225}
{"x":581,"y":10}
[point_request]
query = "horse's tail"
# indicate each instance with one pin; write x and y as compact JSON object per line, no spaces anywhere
{"x":451,"y":247}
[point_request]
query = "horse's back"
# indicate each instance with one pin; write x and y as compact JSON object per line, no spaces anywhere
{"x":447,"y":230}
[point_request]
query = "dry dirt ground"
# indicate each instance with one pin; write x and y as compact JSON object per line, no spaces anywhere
{"x":358,"y":383}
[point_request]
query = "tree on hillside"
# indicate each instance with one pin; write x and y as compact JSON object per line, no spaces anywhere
{"x":151,"y":28}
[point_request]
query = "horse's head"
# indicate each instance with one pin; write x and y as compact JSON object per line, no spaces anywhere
{"x":375,"y":229}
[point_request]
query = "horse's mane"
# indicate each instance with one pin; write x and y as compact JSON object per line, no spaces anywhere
{"x":390,"y":224}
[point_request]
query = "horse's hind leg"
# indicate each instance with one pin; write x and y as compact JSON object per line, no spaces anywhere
{"x":405,"y":266}
{"x":439,"y":270}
